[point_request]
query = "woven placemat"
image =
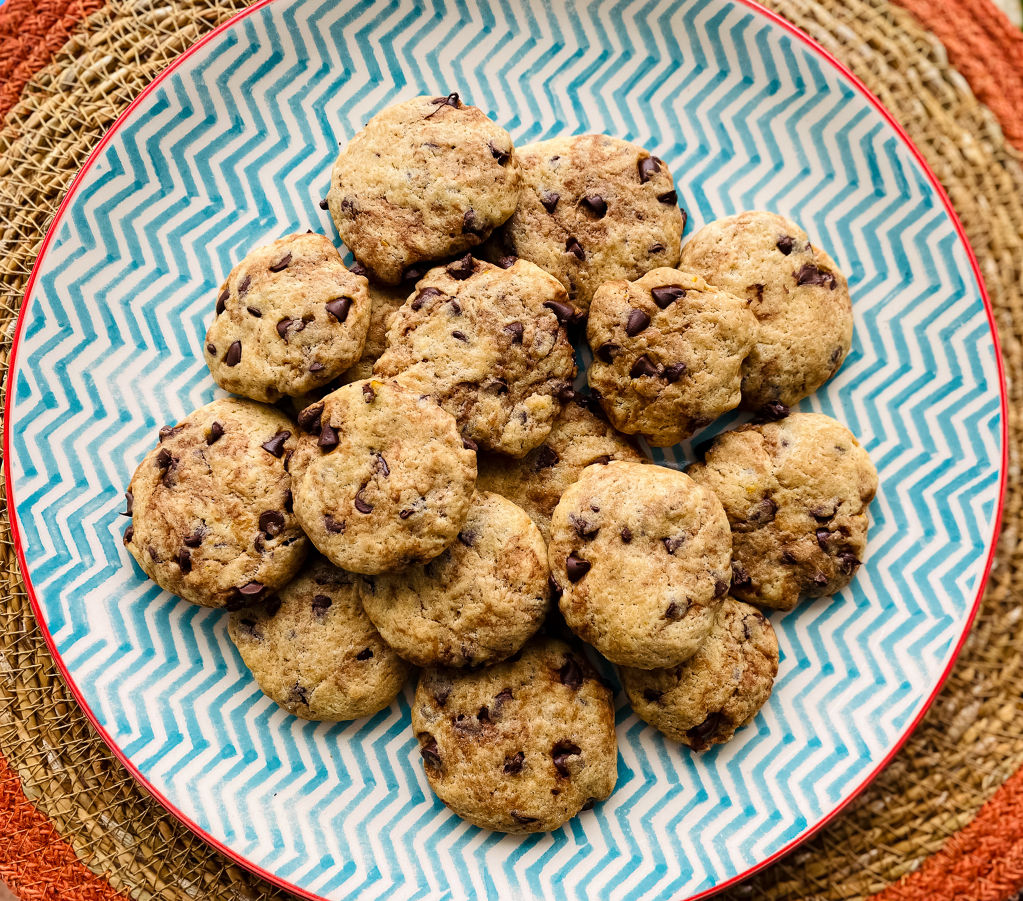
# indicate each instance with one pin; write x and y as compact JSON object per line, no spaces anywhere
{"x":968,"y":746}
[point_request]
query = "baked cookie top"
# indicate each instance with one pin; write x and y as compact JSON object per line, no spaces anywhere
{"x":521,"y":746}
{"x":719,"y":689}
{"x":425,"y":179}
{"x":593,"y":208}
{"x":313,"y":650}
{"x":490,"y":345}
{"x":390,"y":480}
{"x":797,"y":292}
{"x":641,"y":555}
{"x":289,"y":318}
{"x":211,"y":506}
{"x":796,"y":492}
{"x":475,"y":603}
{"x":668,"y":352}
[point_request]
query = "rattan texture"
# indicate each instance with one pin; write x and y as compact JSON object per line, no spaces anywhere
{"x":970,"y":742}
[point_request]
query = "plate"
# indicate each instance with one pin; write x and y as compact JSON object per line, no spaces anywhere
{"x":231,"y":147}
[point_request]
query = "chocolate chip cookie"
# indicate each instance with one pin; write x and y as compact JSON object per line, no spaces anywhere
{"x":522,"y":746}
{"x":211,"y":506}
{"x":641,"y":556}
{"x":719,"y":689}
{"x":593,"y":208}
{"x":385,"y":301}
{"x":796,"y":493}
{"x":667,"y":353}
{"x":426,"y":179}
{"x":289,"y":318}
{"x":474,"y":604}
{"x":313,"y":650}
{"x":536,"y":481}
{"x":490,"y":345}
{"x":796,"y":291}
{"x":390,"y":482}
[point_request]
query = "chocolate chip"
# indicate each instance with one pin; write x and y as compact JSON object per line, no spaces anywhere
{"x":339,"y":307}
{"x":554,"y":588}
{"x":358,"y":269}
{"x":772,"y":412}
{"x":513,"y":766}
{"x":129,"y":500}
{"x":788,"y":558}
{"x":574,"y":247}
{"x":668,"y":197}
{"x":459,"y":336}
{"x":607,"y":350}
{"x":168,"y":431}
{"x":463,"y":268}
{"x":251,"y":589}
{"x":674,"y":372}
{"x":298,"y":696}
{"x":472,"y":224}
{"x":195,"y":538}
{"x":369,"y":393}
{"x":499,"y":153}
{"x":763,"y":512}
{"x":550,"y":199}
{"x":576,"y":567}
{"x":469,"y":444}
{"x":675,"y":612}
{"x":222,"y":300}
{"x":847,"y":561}
{"x":812,"y":274}
{"x":328,"y":437}
{"x":332,"y":525}
{"x":281,"y":263}
{"x":271,"y":523}
{"x":673,"y":544}
{"x":415,"y":272}
{"x":637,"y":321}
{"x":562,"y":311}
{"x":503,"y":697}
{"x":234,"y":354}
{"x":361,"y":505}
{"x":129,"y":533}
{"x":364,"y":654}
{"x":665,"y":295}
{"x":583,"y":527}
{"x":441,"y":694}
{"x":309,"y":418}
{"x":595,"y":204}
{"x":254,"y":312}
{"x":819,"y":579}
{"x":324,"y":205}
{"x":451,"y":100}
{"x":571,"y":674}
{"x":545,"y":458}
{"x":211,"y":349}
{"x":466,"y":724}
{"x":185,"y":560}
{"x":560,"y":753}
{"x":700,"y":736}
{"x":648,"y":167}
{"x":522,"y":818}
{"x":382,"y":466}
{"x":507,"y":261}
{"x":315,"y":367}
{"x":720,"y":588}
{"x":321,"y":604}
{"x":467,"y":537}
{"x":626,"y":534}
{"x":643,"y":366}
{"x":275,"y":445}
{"x":164,"y":459}
{"x":516,"y":330}
{"x":823,"y":536}
{"x":483,"y":715}
{"x":785,"y":244}
{"x":655,"y":248}
{"x":215,"y":434}
{"x":566,"y":393}
{"x":243,"y":285}
{"x":740,"y":578}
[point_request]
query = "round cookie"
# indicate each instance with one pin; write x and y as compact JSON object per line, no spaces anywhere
{"x":522,"y":746}
{"x":289,"y":318}
{"x":536,"y":481}
{"x":796,"y":493}
{"x":476,"y":603}
{"x":211,"y":506}
{"x":489,"y":344}
{"x":796,"y":291}
{"x":641,"y":555}
{"x":391,"y":482}
{"x":719,"y":689}
{"x":426,"y":179}
{"x":668,"y":352}
{"x":593,"y":208}
{"x":313,"y":650}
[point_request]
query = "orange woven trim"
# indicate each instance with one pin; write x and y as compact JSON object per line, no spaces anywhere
{"x":31,"y":31}
{"x":981,"y":862}
{"x":986,"y":48}
{"x":35,"y":861}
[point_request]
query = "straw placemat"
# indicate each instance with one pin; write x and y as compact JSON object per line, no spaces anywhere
{"x":68,"y":68}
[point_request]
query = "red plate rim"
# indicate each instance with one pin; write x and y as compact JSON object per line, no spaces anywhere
{"x":843,"y":70}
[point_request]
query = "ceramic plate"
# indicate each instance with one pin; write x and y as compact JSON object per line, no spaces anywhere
{"x":230,"y":148}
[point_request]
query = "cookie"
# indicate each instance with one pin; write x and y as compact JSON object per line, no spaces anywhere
{"x":390,"y":482}
{"x":593,"y":208}
{"x":641,"y":555}
{"x":522,"y":746}
{"x":476,"y":603}
{"x":385,"y":301}
{"x":211,"y":506}
{"x":719,"y":689}
{"x":490,"y":345}
{"x":289,"y":318}
{"x":667,"y":353}
{"x":427,"y":178}
{"x":536,"y":481}
{"x":796,"y":493}
{"x":313,"y":650}
{"x":796,"y":291}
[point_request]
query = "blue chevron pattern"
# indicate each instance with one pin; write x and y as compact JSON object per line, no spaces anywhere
{"x":234,"y":149}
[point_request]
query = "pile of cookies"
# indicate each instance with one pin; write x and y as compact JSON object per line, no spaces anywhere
{"x":413,"y":479}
